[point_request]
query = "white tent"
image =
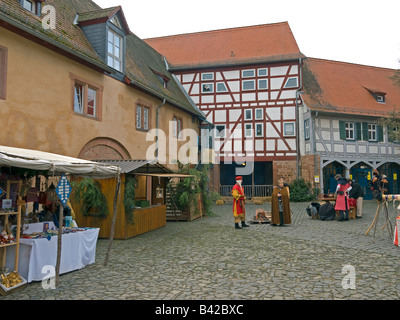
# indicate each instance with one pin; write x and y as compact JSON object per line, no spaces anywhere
{"x":45,"y":161}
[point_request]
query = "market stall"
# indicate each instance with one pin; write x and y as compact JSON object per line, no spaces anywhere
{"x":16,"y":164}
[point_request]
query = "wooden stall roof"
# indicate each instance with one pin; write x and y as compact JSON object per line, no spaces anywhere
{"x":139,"y":166}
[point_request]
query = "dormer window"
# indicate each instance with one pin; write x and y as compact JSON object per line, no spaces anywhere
{"x":32,"y":6}
{"x":162,"y":78}
{"x":380,"y":98}
{"x":114,"y":51}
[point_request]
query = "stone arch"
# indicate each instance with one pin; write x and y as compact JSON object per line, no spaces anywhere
{"x":103,"y":148}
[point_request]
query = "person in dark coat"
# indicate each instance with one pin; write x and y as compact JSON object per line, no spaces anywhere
{"x":357,"y":193}
{"x":280,"y":205}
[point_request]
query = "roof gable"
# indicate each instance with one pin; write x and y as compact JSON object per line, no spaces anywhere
{"x":260,"y":43}
{"x":333,"y":86}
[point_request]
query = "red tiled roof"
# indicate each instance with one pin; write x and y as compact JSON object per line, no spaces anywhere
{"x":258,"y":43}
{"x":333,"y":86}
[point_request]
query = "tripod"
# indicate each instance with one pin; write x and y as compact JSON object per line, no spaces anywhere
{"x":383,"y":204}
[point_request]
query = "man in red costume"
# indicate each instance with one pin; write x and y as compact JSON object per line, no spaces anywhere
{"x":239,"y":211}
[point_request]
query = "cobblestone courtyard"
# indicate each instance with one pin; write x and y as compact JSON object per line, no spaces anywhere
{"x":209,"y":259}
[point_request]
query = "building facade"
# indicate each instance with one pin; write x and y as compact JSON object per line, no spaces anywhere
{"x":246,"y":81}
{"x":86,"y":87}
{"x":341,"y":134}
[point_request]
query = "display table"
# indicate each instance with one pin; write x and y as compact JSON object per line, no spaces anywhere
{"x":78,"y":250}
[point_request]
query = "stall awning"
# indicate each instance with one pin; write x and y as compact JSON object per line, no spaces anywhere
{"x":45,"y":161}
{"x":138,"y":166}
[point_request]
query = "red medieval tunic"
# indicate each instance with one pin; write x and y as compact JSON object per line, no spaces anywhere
{"x":238,"y":200}
{"x":342,"y":200}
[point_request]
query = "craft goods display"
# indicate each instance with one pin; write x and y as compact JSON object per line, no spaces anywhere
{"x":50,"y":233}
{"x":11,"y":280}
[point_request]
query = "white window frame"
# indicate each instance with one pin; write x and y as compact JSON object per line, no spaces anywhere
{"x":248,"y":76}
{"x":262,"y":114}
{"x":262,"y":130}
{"x":350,"y":130}
{"x":248,"y":81}
{"x":111,"y":55}
{"x":251,"y":114}
{"x":266,"y":82}
{"x":138,"y":117}
{"x":79,"y":98}
{"x":262,"y":75}
{"x":225,"y":88}
{"x":207,"y":84}
{"x":205,"y":78}
{"x":372,"y":132}
{"x":307,"y":129}
{"x":251,"y":130}
{"x":285,"y":129}
{"x":95,"y":102}
{"x":293,"y":86}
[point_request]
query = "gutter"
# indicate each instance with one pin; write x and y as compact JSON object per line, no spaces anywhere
{"x":164,"y":101}
{"x":298,"y":93}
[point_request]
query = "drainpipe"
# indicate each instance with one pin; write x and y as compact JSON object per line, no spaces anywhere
{"x":158,"y":124}
{"x":298,"y":92}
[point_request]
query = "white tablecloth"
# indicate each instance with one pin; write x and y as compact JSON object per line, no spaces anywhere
{"x":77,"y":250}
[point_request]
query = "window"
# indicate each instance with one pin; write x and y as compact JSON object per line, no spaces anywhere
{"x":291,"y":83}
{"x":248,"y":130}
{"x":380,"y":98}
{"x":288,"y":129}
{"x":262,"y":84}
{"x":248,"y":85}
{"x":177,"y":127}
{"x":3,"y":72}
{"x":114,"y":58}
{"x":307,"y":129}
{"x":349,"y":128}
{"x":142,"y":118}
{"x":207,"y":88}
{"x":248,"y":73}
{"x":259,"y":129}
{"x":372,"y":132}
{"x":248,"y":114}
{"x":220,"y":131}
{"x":207,"y":76}
{"x":259,"y":114}
{"x":85,"y":99}
{"x":221,"y":87}
{"x":262,"y":72}
{"x":32,"y":6}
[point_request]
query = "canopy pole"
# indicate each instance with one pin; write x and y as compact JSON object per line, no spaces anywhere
{"x":59,"y":236}
{"x":116,"y":196}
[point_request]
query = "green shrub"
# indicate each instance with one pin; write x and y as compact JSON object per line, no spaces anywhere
{"x":301,"y":191}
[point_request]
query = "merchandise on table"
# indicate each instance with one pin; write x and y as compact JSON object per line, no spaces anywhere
{"x":49,"y":233}
{"x":11,"y":280}
{"x":6,"y":238}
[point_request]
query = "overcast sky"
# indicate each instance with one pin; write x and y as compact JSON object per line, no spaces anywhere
{"x":357,"y":31}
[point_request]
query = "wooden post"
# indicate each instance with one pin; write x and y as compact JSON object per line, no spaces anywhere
{"x":116,"y":196}
{"x":60,"y":226}
{"x":17,"y":238}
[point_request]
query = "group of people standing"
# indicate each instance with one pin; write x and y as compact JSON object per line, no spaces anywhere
{"x":280,"y":205}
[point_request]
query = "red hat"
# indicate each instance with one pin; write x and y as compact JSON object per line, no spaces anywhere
{"x":239,"y":178}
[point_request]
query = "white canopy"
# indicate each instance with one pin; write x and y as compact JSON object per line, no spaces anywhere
{"x":45,"y":161}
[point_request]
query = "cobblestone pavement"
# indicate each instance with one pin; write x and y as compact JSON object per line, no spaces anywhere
{"x":209,"y":259}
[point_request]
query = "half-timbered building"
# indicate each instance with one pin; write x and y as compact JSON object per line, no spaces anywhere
{"x":246,"y":80}
{"x":341,"y":134}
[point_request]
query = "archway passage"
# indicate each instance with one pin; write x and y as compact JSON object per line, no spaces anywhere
{"x":103,"y":148}
{"x":329,"y":173}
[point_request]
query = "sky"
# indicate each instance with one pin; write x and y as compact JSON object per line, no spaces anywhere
{"x":365,"y":32}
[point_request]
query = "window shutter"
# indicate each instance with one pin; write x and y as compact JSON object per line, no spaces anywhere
{"x":358,"y":131}
{"x":390,"y":131}
{"x":380,"y":133}
{"x":342,"y":130}
{"x":365,"y":131}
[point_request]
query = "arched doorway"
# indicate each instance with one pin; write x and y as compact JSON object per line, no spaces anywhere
{"x":392,"y":171}
{"x":362,"y":173}
{"x":329,"y":173}
{"x":103,"y":148}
